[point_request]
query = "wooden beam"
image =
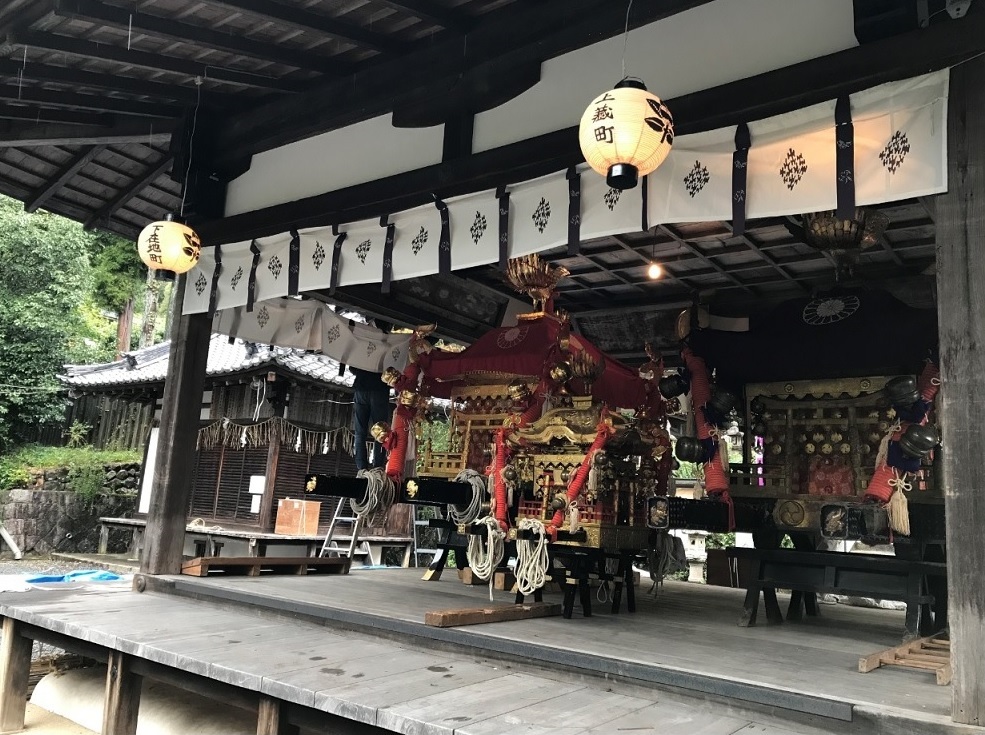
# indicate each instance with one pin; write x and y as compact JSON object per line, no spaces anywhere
{"x":431,"y":12}
{"x":320,"y":23}
{"x":490,"y":613}
{"x":195,"y":34}
{"x":773,"y":93}
{"x":15,"y":667}
{"x":266,"y":519}
{"x":16,"y":135}
{"x":66,"y":172}
{"x":961,"y":316}
{"x":122,"y":699}
{"x":272,"y":718}
{"x":146,"y":60}
{"x":37,"y":72}
{"x":537,"y":31}
{"x":164,"y":536}
{"x":128,"y":193}
{"x":99,"y":103}
{"x":35,"y":114}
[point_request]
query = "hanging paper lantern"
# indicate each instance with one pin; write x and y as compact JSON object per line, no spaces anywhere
{"x":626,"y":133}
{"x":168,"y":245}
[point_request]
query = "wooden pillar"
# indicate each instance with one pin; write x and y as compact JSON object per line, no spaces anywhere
{"x":175,"y":467}
{"x":15,"y":667}
{"x":267,"y":499}
{"x":271,"y":718}
{"x":961,"y":316}
{"x":122,"y":696}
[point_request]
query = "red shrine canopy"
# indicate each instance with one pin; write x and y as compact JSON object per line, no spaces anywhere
{"x":528,"y":350}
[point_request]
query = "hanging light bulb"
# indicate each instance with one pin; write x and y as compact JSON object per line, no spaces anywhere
{"x":654,"y":271}
{"x":169,"y":245}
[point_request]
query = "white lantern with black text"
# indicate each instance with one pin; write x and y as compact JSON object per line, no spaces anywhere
{"x":169,"y":245}
{"x":626,"y":133}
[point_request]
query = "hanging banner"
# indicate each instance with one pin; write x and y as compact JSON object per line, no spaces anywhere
{"x":901,"y":148}
{"x":416,"y":242}
{"x":538,"y":214}
{"x":198,"y":285}
{"x":362,"y":252}
{"x":694,"y":184}
{"x":608,"y":211}
{"x":315,"y":259}
{"x":272,"y":275}
{"x":473,"y":229}
{"x":361,"y":345}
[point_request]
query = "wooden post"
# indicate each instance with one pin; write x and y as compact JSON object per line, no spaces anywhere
{"x":175,"y":467}
{"x":122,"y":696}
{"x":961,"y":317}
{"x":271,"y":718}
{"x":15,"y":666}
{"x":267,"y":499}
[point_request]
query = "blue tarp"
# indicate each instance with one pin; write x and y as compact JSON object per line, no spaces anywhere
{"x":95,"y":575}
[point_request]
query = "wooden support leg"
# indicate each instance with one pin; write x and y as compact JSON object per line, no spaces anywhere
{"x":15,"y":666}
{"x":617,"y":585}
{"x":750,"y":608}
{"x":568,"y":603}
{"x":796,"y":606}
{"x":103,"y":540}
{"x":810,"y":603}
{"x":122,"y":696}
{"x":437,"y":565}
{"x":911,"y":625}
{"x":585,"y":592}
{"x":773,"y":614}
{"x":271,"y":719}
{"x":630,"y":586}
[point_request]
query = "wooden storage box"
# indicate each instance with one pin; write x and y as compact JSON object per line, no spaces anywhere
{"x":297,"y":517}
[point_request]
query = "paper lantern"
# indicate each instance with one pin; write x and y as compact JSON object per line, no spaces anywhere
{"x":170,"y":246}
{"x":626,"y":133}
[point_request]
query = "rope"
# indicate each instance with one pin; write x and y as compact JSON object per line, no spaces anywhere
{"x":485,"y":557}
{"x":472,"y":510}
{"x":199,"y":525}
{"x":532,"y":562}
{"x":380,"y":493}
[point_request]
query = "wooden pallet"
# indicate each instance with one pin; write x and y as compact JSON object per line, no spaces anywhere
{"x":490,"y":614}
{"x":254,"y":566}
{"x":931,"y":654}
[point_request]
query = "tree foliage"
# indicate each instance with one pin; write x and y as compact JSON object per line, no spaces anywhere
{"x":118,"y":273}
{"x":45,"y":276}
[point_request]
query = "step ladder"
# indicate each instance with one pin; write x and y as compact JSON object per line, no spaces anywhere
{"x":330,"y":546}
{"x":421,"y":523}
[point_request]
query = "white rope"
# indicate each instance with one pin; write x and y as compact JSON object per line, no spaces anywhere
{"x":484,"y":555}
{"x":531,"y":557}
{"x":472,"y":510}
{"x":380,"y":492}
{"x":199,"y":525}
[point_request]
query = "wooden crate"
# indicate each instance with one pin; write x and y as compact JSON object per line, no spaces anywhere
{"x":297,"y":517}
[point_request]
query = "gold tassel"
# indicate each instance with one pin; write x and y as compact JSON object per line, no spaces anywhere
{"x":898,"y":507}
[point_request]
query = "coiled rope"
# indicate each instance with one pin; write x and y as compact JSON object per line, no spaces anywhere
{"x":472,"y":510}
{"x":531,"y":557}
{"x":380,"y":493}
{"x":484,"y":555}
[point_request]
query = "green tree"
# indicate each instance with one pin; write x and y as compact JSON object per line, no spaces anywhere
{"x":45,"y":276}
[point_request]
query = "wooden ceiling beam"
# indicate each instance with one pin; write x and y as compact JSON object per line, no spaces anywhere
{"x":62,"y":176}
{"x":536,"y":32}
{"x":667,"y":230}
{"x":102,"y":216}
{"x":196,"y":35}
{"x":306,"y":20}
{"x":38,"y":115}
{"x":770,"y":260}
{"x":20,"y":135}
{"x":37,"y":72}
{"x":98,"y":103}
{"x":145,"y":60}
{"x":668,"y":271}
{"x":431,"y":12}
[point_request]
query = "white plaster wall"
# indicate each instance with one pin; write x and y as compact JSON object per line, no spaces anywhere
{"x":351,"y":155}
{"x":716,"y":43}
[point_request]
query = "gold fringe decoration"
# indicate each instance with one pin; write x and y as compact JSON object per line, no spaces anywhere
{"x":898,"y":507}
{"x":226,"y":432}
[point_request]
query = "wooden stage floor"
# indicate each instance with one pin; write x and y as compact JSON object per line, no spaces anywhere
{"x":356,"y":647}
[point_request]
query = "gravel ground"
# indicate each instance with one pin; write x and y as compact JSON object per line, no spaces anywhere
{"x":38,"y":564}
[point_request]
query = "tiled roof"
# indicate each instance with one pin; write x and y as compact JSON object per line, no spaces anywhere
{"x":150,"y":365}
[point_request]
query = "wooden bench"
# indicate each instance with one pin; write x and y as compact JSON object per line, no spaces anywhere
{"x":254,"y":566}
{"x":807,"y":573}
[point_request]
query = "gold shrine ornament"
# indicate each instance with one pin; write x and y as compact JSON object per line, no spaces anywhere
{"x":169,"y":245}
{"x":626,"y":133}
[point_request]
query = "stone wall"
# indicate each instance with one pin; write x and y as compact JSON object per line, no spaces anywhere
{"x":51,"y":516}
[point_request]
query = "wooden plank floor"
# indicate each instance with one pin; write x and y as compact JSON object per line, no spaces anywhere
{"x":686,"y":628}
{"x":403,"y":684}
{"x":400,"y":688}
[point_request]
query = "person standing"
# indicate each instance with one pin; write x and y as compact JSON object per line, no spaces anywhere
{"x":372,"y":404}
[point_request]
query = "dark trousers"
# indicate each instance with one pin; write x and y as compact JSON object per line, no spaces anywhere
{"x":370,"y":407}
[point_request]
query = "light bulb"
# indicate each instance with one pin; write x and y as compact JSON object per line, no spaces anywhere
{"x":654,"y":271}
